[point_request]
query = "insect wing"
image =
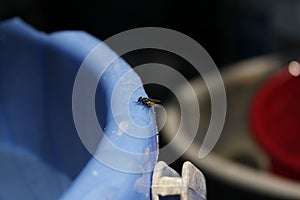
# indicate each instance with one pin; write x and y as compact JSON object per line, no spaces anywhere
{"x":155,"y":100}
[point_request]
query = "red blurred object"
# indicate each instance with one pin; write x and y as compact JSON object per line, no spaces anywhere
{"x":275,"y":122}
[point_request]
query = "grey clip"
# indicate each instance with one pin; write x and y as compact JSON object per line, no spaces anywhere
{"x":167,"y":183}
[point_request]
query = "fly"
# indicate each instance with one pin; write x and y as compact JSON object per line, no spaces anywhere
{"x":148,"y":101}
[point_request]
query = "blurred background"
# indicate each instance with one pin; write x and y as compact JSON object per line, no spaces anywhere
{"x":231,"y":31}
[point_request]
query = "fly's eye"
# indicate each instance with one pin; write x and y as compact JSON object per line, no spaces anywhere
{"x":140,"y":99}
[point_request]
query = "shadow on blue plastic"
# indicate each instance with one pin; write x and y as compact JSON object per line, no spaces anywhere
{"x":41,"y":154}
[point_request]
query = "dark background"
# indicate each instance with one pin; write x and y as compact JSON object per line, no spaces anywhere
{"x":230,"y":30}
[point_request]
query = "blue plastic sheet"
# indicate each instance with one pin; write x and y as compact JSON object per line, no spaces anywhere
{"x":41,"y":154}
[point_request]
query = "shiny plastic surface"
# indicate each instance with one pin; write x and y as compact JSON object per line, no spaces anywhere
{"x":41,"y":154}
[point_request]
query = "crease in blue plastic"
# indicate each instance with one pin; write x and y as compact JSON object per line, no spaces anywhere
{"x":37,"y":74}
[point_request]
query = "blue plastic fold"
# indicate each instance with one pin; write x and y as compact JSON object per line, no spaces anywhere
{"x":41,"y":154}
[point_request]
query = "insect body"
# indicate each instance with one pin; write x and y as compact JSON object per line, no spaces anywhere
{"x":148,"y":101}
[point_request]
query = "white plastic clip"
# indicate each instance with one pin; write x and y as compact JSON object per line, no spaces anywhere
{"x":167,"y":182}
